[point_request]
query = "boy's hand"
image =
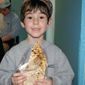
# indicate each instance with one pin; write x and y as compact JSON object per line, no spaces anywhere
{"x":46,"y":81}
{"x":18,"y":79}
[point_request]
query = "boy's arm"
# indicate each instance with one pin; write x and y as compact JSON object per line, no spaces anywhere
{"x":7,"y":68}
{"x":63,"y":73}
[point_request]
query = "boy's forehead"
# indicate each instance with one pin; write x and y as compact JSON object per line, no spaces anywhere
{"x":32,"y":12}
{"x":30,"y":9}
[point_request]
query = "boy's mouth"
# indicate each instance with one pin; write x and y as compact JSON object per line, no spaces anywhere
{"x":35,"y":29}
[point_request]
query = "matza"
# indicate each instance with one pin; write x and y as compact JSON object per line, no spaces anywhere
{"x":36,"y":66}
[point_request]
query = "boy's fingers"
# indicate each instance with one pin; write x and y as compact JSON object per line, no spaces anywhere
{"x":18,"y":78}
{"x":17,"y":74}
{"x":21,"y":81}
{"x":39,"y":81}
{"x":43,"y":82}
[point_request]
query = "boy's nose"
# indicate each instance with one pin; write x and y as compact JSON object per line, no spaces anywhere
{"x":36,"y":21}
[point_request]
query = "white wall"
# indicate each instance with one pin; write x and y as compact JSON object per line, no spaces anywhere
{"x":50,"y":31}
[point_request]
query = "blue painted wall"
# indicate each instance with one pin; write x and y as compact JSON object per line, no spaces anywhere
{"x":81,"y":78}
{"x":67,"y":31}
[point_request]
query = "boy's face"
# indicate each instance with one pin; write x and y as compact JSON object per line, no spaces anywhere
{"x":35,"y":23}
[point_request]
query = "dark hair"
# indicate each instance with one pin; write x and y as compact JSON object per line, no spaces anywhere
{"x":33,"y":5}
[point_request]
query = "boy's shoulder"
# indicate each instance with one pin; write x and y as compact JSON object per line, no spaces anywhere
{"x":53,"y":47}
{"x":19,"y":47}
{"x":54,"y":50}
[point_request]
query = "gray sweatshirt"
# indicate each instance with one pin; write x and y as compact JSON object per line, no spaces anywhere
{"x":58,"y":66}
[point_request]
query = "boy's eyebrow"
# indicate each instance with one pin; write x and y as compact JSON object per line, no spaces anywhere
{"x":28,"y":13}
{"x":41,"y":13}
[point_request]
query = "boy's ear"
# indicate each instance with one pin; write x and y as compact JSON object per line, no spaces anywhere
{"x":49,"y":23}
{"x":22,"y":24}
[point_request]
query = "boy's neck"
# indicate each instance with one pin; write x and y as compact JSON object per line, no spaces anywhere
{"x":34,"y":40}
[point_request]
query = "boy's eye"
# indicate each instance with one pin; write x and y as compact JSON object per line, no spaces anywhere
{"x":41,"y":17}
{"x":30,"y":17}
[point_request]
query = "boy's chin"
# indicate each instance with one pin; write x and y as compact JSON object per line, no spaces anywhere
{"x":37,"y":36}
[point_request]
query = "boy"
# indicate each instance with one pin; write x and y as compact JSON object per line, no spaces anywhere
{"x":35,"y":17}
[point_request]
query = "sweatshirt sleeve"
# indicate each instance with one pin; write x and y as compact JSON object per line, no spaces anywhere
{"x":63,"y":71}
{"x":7,"y":68}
